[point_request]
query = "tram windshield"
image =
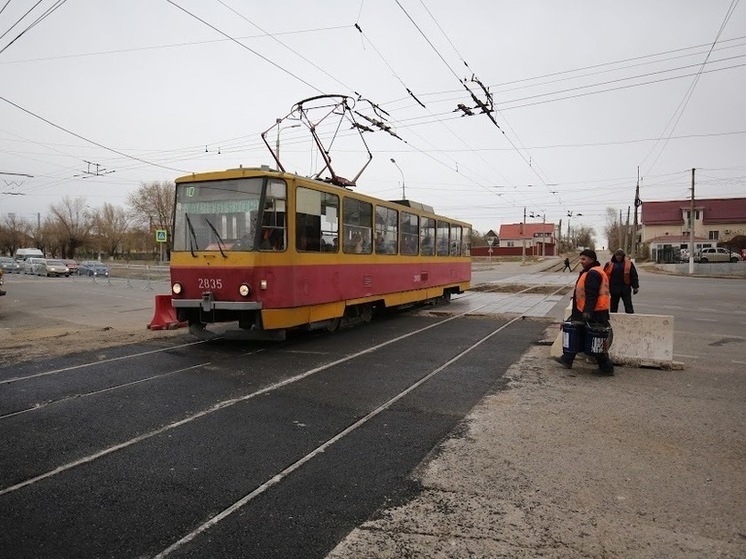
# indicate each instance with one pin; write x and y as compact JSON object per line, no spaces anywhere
{"x":230,"y":215}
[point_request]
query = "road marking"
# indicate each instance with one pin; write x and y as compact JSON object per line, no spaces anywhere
{"x":215,"y":407}
{"x":83,"y":365}
{"x":277,"y":478}
{"x":94,"y":392}
{"x":706,"y":319}
{"x":687,"y":356}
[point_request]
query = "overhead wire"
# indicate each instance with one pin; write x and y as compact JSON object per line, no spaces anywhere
{"x":242,"y":45}
{"x":473,"y":96}
{"x":33,"y":24}
{"x":681,"y":108}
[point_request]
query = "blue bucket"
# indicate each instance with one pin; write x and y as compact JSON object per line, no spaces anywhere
{"x":597,"y":339}
{"x":572,"y":336}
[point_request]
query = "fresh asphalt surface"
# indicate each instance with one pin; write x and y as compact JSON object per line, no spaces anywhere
{"x":145,"y":452}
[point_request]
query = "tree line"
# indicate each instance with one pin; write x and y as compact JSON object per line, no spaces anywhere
{"x":73,"y":229}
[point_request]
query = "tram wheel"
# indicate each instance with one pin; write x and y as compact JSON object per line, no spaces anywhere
{"x":446,"y":296}
{"x":333,"y":325}
{"x":366,"y":313}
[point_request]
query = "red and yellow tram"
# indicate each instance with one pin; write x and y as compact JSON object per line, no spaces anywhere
{"x":274,"y":251}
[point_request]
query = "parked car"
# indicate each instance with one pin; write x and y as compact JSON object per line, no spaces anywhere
{"x":718,"y":254}
{"x":72,"y":265}
{"x":30,"y":264}
{"x":93,"y":268}
{"x":50,"y":267}
{"x":10,"y":265}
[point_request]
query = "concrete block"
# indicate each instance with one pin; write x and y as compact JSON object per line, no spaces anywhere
{"x":640,"y":340}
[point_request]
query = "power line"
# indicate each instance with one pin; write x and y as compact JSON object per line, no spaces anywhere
{"x":688,"y":95}
{"x":239,"y":43}
{"x":87,"y":139}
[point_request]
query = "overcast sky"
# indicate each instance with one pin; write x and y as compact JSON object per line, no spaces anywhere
{"x":101,"y":96}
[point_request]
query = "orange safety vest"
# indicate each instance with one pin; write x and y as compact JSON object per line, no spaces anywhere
{"x":604,"y":297}
{"x":627,"y":267}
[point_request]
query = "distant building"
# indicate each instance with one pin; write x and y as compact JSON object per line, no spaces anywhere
{"x":538,"y":237}
{"x":667,"y":225}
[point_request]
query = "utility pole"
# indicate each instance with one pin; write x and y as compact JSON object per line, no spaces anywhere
{"x":523,"y":236}
{"x":627,"y":236}
{"x":691,"y":231}
{"x":634,"y":227}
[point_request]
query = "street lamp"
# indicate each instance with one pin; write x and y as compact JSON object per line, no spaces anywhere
{"x":403,"y":192}
{"x":543,"y":220}
{"x":569,"y":216}
{"x":277,"y":142}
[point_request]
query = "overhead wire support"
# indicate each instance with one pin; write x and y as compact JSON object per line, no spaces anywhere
{"x":409,"y":91}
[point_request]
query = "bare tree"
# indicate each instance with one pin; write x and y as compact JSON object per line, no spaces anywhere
{"x":112,"y":224}
{"x":613,"y":229}
{"x":15,"y":233}
{"x":72,"y":222}
{"x":153,"y":204}
{"x":153,"y":207}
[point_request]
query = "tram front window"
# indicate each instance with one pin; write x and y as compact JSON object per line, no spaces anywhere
{"x":226,"y":216}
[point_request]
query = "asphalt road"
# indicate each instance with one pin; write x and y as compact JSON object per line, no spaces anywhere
{"x":227,"y":449}
{"x":224,"y":450}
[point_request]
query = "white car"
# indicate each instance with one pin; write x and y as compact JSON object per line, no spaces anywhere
{"x":30,"y":265}
{"x":718,"y":254}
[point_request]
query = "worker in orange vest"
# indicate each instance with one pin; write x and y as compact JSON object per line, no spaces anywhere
{"x":590,"y":304}
{"x":623,"y":281}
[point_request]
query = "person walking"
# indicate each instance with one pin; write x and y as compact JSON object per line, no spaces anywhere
{"x":590,"y":303}
{"x":567,"y":265}
{"x":623,"y":281}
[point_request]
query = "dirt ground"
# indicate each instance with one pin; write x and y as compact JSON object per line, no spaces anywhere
{"x":23,"y":337}
{"x":564,"y":464}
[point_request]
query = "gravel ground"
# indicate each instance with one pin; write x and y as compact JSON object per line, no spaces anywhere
{"x":566,"y":464}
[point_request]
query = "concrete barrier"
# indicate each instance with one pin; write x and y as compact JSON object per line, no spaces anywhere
{"x":640,"y":340}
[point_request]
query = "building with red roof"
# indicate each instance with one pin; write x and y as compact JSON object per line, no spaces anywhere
{"x":538,"y":237}
{"x":666,"y":224}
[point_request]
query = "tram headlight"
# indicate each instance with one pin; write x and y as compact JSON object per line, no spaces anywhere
{"x":244,"y":290}
{"x":176,"y":288}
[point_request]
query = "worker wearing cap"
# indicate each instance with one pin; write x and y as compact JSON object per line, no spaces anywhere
{"x":590,"y":303}
{"x":623,"y":281}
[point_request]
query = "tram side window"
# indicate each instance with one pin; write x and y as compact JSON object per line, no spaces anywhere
{"x":466,"y":242}
{"x":316,"y":221}
{"x":387,"y":227}
{"x":441,"y":238}
{"x":427,"y":237}
{"x":357,"y":224}
{"x":410,"y":233}
{"x":273,"y":235}
{"x":455,"y":240}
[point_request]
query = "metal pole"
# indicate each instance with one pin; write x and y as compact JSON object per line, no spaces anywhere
{"x":523,"y":237}
{"x":403,"y":192}
{"x":691,"y":231}
{"x":277,"y":141}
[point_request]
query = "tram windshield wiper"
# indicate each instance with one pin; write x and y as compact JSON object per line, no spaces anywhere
{"x":218,"y":237}
{"x":192,"y":236}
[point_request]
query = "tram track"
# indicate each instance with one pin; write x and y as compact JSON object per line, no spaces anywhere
{"x":281,"y":475}
{"x":83,"y":473}
{"x":207,"y":411}
{"x":37,"y":406}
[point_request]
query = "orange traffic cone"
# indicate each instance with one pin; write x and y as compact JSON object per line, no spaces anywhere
{"x":165,"y":315}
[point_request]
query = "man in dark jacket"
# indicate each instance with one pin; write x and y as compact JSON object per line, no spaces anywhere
{"x":623,"y":281}
{"x":590,"y":304}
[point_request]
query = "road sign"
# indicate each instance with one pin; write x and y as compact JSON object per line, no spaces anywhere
{"x":161,"y":235}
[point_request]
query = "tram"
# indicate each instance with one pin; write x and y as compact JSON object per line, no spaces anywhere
{"x":275,"y":251}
